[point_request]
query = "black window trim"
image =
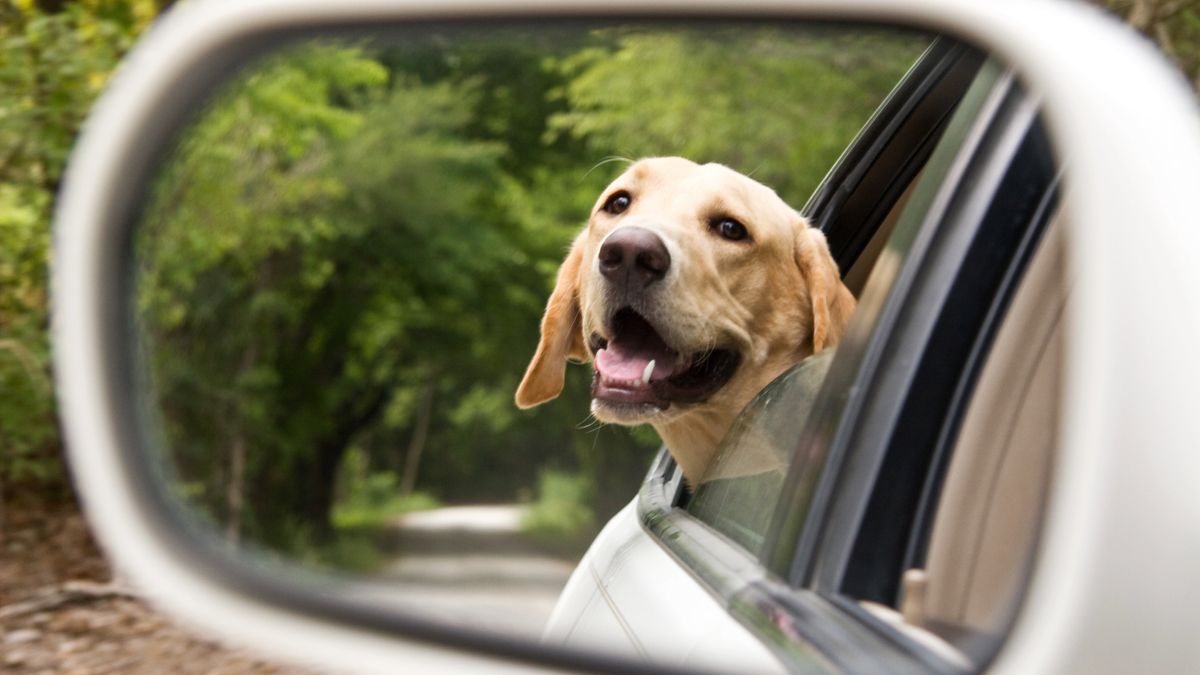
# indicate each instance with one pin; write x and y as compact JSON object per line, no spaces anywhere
{"x":880,"y":163}
{"x":957,"y":407}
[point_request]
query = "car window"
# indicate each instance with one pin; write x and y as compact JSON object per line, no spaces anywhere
{"x":740,"y":494}
{"x":948,"y":503}
{"x":894,"y":485}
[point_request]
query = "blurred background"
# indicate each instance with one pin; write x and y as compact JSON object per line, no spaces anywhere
{"x":340,"y":275}
{"x":342,"y":267}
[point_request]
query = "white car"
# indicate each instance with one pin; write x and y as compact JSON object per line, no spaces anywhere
{"x":998,"y":472}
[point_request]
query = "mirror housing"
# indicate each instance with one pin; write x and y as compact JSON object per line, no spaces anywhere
{"x":1137,"y":119}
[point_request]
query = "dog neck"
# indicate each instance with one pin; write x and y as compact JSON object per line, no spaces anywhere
{"x":692,"y":440}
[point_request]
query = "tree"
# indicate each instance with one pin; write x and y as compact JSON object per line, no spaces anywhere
{"x":779,"y":104}
{"x":52,"y":65}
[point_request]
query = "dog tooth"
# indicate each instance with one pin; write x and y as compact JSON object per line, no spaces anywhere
{"x":646,"y":373}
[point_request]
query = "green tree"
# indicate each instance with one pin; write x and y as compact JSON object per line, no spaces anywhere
{"x":778,"y":104}
{"x":289,"y":298}
{"x":238,"y":230}
{"x":52,"y":65}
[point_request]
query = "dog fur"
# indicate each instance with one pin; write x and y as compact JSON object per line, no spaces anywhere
{"x":766,"y":300}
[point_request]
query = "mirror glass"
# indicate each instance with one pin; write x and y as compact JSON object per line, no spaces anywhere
{"x":342,"y":266}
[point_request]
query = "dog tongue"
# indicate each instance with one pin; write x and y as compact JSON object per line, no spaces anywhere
{"x":631,"y":350}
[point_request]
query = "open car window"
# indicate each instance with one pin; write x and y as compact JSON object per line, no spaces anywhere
{"x":936,"y":494}
{"x":873,"y":530}
{"x":740,"y":494}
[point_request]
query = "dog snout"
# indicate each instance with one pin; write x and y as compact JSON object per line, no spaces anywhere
{"x":634,"y":257}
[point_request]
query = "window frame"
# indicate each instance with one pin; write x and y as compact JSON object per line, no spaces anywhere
{"x":903,"y":349}
{"x":790,"y":595}
{"x":885,"y":425}
{"x":877,"y":167}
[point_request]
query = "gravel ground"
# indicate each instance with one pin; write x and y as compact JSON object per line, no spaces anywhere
{"x":59,"y":612}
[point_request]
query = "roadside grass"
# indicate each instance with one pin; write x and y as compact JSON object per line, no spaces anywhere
{"x":358,"y":515}
{"x":560,"y":519}
{"x":359,"y":519}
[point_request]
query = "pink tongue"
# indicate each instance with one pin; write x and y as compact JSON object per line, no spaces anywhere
{"x":627,"y":360}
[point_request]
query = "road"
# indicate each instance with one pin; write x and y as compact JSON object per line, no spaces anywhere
{"x":470,"y":565}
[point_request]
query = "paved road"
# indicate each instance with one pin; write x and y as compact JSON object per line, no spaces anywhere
{"x":470,"y":565}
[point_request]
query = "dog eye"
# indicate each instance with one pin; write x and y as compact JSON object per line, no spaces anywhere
{"x":730,"y":229}
{"x":617,"y":203}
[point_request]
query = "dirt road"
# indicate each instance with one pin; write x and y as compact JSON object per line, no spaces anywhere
{"x":470,"y":565}
{"x":59,"y":614}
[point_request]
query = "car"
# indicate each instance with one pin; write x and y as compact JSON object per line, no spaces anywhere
{"x":996,"y":472}
{"x":898,"y":533}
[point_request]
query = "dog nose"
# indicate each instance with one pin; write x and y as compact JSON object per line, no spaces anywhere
{"x":634,"y":255}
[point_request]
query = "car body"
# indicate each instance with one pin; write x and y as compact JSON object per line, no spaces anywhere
{"x":1097,"y":570}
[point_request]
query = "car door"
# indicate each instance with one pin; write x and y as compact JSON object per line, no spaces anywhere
{"x":933,"y":214}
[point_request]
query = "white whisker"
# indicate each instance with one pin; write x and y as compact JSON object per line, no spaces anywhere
{"x":608,"y":160}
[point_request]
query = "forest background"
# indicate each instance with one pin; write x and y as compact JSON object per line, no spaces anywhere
{"x":335,"y":335}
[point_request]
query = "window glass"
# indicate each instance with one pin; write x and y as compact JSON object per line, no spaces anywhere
{"x":783,"y":435}
{"x":738,"y":492}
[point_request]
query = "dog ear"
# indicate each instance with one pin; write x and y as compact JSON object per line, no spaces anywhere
{"x":562,"y":335}
{"x":832,"y":302}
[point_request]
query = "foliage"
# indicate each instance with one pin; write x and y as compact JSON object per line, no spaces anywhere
{"x":348,"y":551}
{"x":270,"y":266}
{"x":370,"y":499}
{"x":52,"y":65}
{"x":561,"y":518}
{"x":784,"y":120}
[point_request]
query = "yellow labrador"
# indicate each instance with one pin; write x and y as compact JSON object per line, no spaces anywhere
{"x":691,"y":288}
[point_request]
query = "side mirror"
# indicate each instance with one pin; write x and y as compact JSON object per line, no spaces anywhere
{"x":256,"y":310}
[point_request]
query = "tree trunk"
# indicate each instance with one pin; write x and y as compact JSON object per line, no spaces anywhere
{"x":416,"y":444}
{"x":235,"y":489}
{"x":316,"y":504}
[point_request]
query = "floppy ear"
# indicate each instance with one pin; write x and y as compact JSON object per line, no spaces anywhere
{"x":832,"y":302}
{"x":562,"y":335}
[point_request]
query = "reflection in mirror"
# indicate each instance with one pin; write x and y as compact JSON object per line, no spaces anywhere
{"x":343,"y":263}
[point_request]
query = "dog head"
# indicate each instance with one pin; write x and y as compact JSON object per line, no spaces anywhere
{"x":691,"y":288}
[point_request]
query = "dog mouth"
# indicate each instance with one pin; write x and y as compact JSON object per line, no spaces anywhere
{"x":636,"y":367}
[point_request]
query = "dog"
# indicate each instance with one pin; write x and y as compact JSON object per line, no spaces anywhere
{"x":691,"y":288}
